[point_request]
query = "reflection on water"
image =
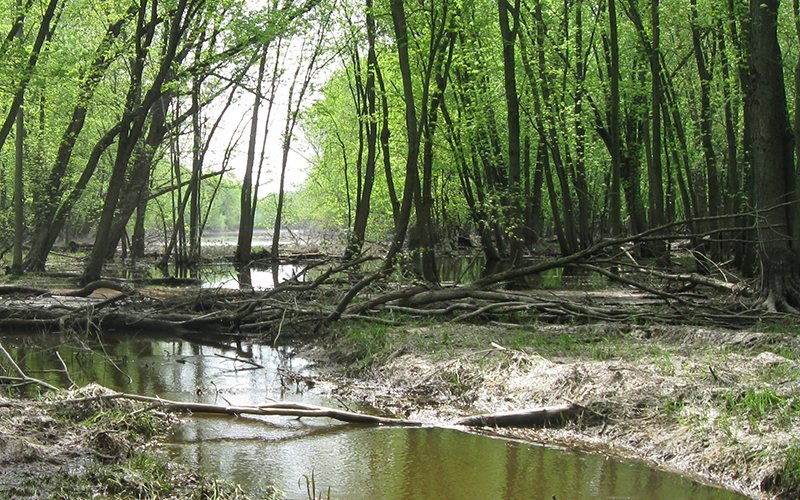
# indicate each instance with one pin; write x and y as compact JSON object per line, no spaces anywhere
{"x":360,"y":463}
{"x":226,"y":276}
{"x":356,"y":462}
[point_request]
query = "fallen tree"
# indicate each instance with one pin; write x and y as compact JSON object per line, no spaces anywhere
{"x":345,"y":292}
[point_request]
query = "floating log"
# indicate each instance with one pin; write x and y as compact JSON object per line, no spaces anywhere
{"x":547,"y":416}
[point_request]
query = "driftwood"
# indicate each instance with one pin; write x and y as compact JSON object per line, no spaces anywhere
{"x":272,"y":409}
{"x":548,"y":416}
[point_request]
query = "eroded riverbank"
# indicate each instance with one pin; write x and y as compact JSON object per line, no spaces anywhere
{"x":716,"y":405}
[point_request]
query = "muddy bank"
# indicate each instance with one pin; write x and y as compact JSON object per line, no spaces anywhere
{"x":73,"y":444}
{"x":717,"y":405}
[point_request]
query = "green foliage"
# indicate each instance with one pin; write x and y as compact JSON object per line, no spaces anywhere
{"x":787,"y":479}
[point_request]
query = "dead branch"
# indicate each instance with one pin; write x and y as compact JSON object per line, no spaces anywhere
{"x":696,"y":279}
{"x":547,"y":416}
{"x":25,"y":378}
{"x":95,"y":285}
{"x":287,"y":409}
{"x":246,"y":361}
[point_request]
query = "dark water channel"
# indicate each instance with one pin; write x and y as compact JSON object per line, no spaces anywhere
{"x":355,"y":462}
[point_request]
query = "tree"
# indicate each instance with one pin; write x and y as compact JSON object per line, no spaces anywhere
{"x":247,"y":205}
{"x":771,"y":159}
{"x":509,"y":30}
{"x":365,"y":97}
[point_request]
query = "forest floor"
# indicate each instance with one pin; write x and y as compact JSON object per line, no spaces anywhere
{"x":720,"y":406}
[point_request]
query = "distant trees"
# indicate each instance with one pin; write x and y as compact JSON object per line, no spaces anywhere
{"x":102,"y":97}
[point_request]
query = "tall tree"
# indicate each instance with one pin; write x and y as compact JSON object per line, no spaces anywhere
{"x":247,"y":211}
{"x":655,"y":185}
{"x":772,"y":163}
{"x":366,"y":97}
{"x":19,"y":188}
{"x":615,"y":188}
{"x":509,"y":28}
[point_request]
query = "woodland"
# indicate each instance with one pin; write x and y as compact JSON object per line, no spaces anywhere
{"x":653,"y":144}
{"x":608,"y":134}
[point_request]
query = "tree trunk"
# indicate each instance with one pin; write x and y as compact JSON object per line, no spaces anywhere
{"x":615,"y":189}
{"x":412,"y":184}
{"x":659,"y":249}
{"x":19,"y":192}
{"x":581,"y":185}
{"x":246,"y":213}
{"x":368,"y":119}
{"x":771,"y":159}
{"x":508,"y":31}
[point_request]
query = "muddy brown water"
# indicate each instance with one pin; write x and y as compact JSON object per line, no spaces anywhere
{"x":355,"y":462}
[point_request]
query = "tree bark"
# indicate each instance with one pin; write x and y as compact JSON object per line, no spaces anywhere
{"x":367,"y":119}
{"x":615,"y":189}
{"x":246,"y":213}
{"x":772,"y":163}
{"x":509,"y":27}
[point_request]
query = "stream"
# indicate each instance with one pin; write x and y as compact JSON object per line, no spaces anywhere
{"x":355,"y":462}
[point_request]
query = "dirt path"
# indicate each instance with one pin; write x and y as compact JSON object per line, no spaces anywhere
{"x":719,"y":406}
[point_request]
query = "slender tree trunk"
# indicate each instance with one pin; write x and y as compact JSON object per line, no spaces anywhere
{"x":368,"y":118}
{"x":385,"y":152}
{"x":714,"y":195}
{"x":19,"y":192}
{"x":508,"y":30}
{"x":615,"y":189}
{"x":412,"y":184}
{"x":659,"y":249}
{"x":197,"y":167}
{"x":246,"y":213}
{"x":581,"y":185}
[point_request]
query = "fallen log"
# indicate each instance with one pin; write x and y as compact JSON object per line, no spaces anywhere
{"x":272,"y":409}
{"x":546,"y":416}
{"x":95,"y":285}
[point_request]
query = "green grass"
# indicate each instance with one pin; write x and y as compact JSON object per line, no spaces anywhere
{"x":365,"y":344}
{"x":787,"y":478}
{"x":759,"y":404}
